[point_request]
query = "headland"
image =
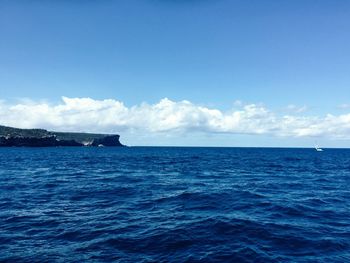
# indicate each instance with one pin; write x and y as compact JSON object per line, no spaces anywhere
{"x":15,"y":137}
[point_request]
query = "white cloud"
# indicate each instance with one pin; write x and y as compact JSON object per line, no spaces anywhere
{"x":344,"y":106}
{"x":169,"y":117}
{"x":296,"y":109}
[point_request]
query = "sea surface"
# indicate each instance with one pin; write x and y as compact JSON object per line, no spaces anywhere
{"x":148,"y":204}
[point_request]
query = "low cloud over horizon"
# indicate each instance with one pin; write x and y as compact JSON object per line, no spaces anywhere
{"x":170,"y":117}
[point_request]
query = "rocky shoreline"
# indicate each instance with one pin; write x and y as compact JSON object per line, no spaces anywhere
{"x":14,"y":137}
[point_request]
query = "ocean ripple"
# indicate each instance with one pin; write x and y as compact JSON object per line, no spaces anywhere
{"x":174,"y":205}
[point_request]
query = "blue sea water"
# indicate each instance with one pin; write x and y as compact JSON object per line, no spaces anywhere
{"x":144,"y":204}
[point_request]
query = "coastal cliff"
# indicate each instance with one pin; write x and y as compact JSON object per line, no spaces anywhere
{"x":14,"y":137}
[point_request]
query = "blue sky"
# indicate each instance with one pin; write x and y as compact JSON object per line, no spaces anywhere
{"x":209,"y":52}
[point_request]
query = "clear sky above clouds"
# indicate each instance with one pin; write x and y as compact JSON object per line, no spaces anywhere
{"x":289,"y":57}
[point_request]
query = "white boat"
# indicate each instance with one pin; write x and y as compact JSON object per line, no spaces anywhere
{"x":318,"y":149}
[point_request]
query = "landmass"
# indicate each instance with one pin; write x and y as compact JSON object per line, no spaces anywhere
{"x":15,"y":137}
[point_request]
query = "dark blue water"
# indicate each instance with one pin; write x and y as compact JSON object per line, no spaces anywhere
{"x":174,"y":205}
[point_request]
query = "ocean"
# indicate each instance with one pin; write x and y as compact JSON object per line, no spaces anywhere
{"x":174,"y":204}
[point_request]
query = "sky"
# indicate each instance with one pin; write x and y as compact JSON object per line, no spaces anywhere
{"x":179,"y":72}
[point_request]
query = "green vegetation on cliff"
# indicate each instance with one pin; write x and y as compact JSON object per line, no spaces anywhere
{"x":28,"y":133}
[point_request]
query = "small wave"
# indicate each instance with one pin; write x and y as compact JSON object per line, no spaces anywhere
{"x":174,"y":205}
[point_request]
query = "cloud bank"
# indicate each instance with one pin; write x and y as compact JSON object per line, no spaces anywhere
{"x":170,"y":117}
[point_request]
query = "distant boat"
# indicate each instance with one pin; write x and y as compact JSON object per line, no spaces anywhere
{"x":318,"y":149}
